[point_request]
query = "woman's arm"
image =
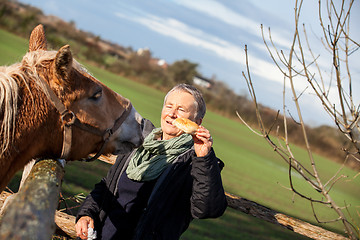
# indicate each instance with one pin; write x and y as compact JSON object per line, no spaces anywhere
{"x":208,"y":198}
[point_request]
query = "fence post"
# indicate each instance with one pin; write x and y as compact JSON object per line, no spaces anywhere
{"x":30,"y":215}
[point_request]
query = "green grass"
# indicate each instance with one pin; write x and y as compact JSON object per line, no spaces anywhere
{"x":12,"y":48}
{"x":252,"y":170}
{"x":235,"y":225}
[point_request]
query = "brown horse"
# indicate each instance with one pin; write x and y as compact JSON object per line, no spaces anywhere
{"x":49,"y":92}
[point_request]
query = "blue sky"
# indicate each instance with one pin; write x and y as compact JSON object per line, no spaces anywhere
{"x":212,"y":33}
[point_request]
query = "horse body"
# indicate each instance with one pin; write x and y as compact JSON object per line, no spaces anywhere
{"x":30,"y":125}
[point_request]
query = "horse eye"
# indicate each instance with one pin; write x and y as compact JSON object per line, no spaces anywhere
{"x":97,"y":95}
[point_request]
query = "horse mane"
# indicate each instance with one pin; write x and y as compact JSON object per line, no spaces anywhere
{"x":8,"y":105}
{"x":11,"y":78}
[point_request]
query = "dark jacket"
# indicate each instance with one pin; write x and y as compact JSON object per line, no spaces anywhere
{"x":189,"y":188}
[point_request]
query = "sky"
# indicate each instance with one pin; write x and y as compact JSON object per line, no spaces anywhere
{"x":213,"y":34}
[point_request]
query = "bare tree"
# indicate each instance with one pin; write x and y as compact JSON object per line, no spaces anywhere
{"x":302,"y":64}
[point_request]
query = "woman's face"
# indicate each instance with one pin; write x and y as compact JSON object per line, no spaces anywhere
{"x":177,"y":104}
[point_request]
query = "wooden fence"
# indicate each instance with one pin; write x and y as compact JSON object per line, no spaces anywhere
{"x":31,"y":213}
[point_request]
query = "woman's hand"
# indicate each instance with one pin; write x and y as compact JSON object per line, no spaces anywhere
{"x":82,"y":226}
{"x":202,"y":141}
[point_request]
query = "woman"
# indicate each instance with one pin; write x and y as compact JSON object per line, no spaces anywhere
{"x":155,"y":192}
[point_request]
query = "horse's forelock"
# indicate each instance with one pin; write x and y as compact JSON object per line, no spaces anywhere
{"x":37,"y":59}
{"x":32,"y":60}
{"x":40,"y":59}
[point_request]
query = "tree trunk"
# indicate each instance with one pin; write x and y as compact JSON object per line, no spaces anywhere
{"x":30,"y":215}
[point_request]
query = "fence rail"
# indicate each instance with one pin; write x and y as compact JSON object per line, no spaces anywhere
{"x":259,"y":211}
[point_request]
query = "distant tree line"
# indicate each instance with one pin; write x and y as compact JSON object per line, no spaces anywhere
{"x":20,"y":19}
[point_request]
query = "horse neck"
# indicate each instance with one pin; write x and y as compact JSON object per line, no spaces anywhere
{"x":37,"y":131}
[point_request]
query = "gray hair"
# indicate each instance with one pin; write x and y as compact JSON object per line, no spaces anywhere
{"x":199,"y":100}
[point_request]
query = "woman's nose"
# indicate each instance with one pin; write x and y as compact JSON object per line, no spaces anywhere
{"x":172,"y":112}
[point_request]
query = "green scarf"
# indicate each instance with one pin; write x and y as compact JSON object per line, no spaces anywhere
{"x":151,"y":159}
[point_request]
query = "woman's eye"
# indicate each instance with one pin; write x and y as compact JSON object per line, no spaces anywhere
{"x":96,"y":96}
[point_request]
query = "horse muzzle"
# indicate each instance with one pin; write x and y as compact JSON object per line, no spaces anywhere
{"x":129,"y":135}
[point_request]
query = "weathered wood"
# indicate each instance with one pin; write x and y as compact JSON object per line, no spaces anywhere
{"x":4,"y":198}
{"x":65,"y":223}
{"x":110,"y":159}
{"x":26,"y":172}
{"x":30,"y":215}
{"x":256,"y":210}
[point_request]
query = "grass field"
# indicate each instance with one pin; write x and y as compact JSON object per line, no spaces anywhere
{"x":252,"y":170}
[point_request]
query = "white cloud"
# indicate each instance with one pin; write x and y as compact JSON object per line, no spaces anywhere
{"x":195,"y":37}
{"x":182,"y":32}
{"x":264,"y":69}
{"x":173,"y":28}
{"x":221,"y":12}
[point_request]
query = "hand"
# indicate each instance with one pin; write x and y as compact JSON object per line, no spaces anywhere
{"x":202,"y":141}
{"x":82,"y":225}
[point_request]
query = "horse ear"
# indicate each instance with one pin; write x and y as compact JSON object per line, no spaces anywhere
{"x":37,"y":39}
{"x":63,"y":64}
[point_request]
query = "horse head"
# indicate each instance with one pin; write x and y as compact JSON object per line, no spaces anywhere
{"x":51,"y":107}
{"x":93,"y":104}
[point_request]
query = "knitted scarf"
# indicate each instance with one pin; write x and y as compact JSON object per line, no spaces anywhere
{"x":151,"y":159}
